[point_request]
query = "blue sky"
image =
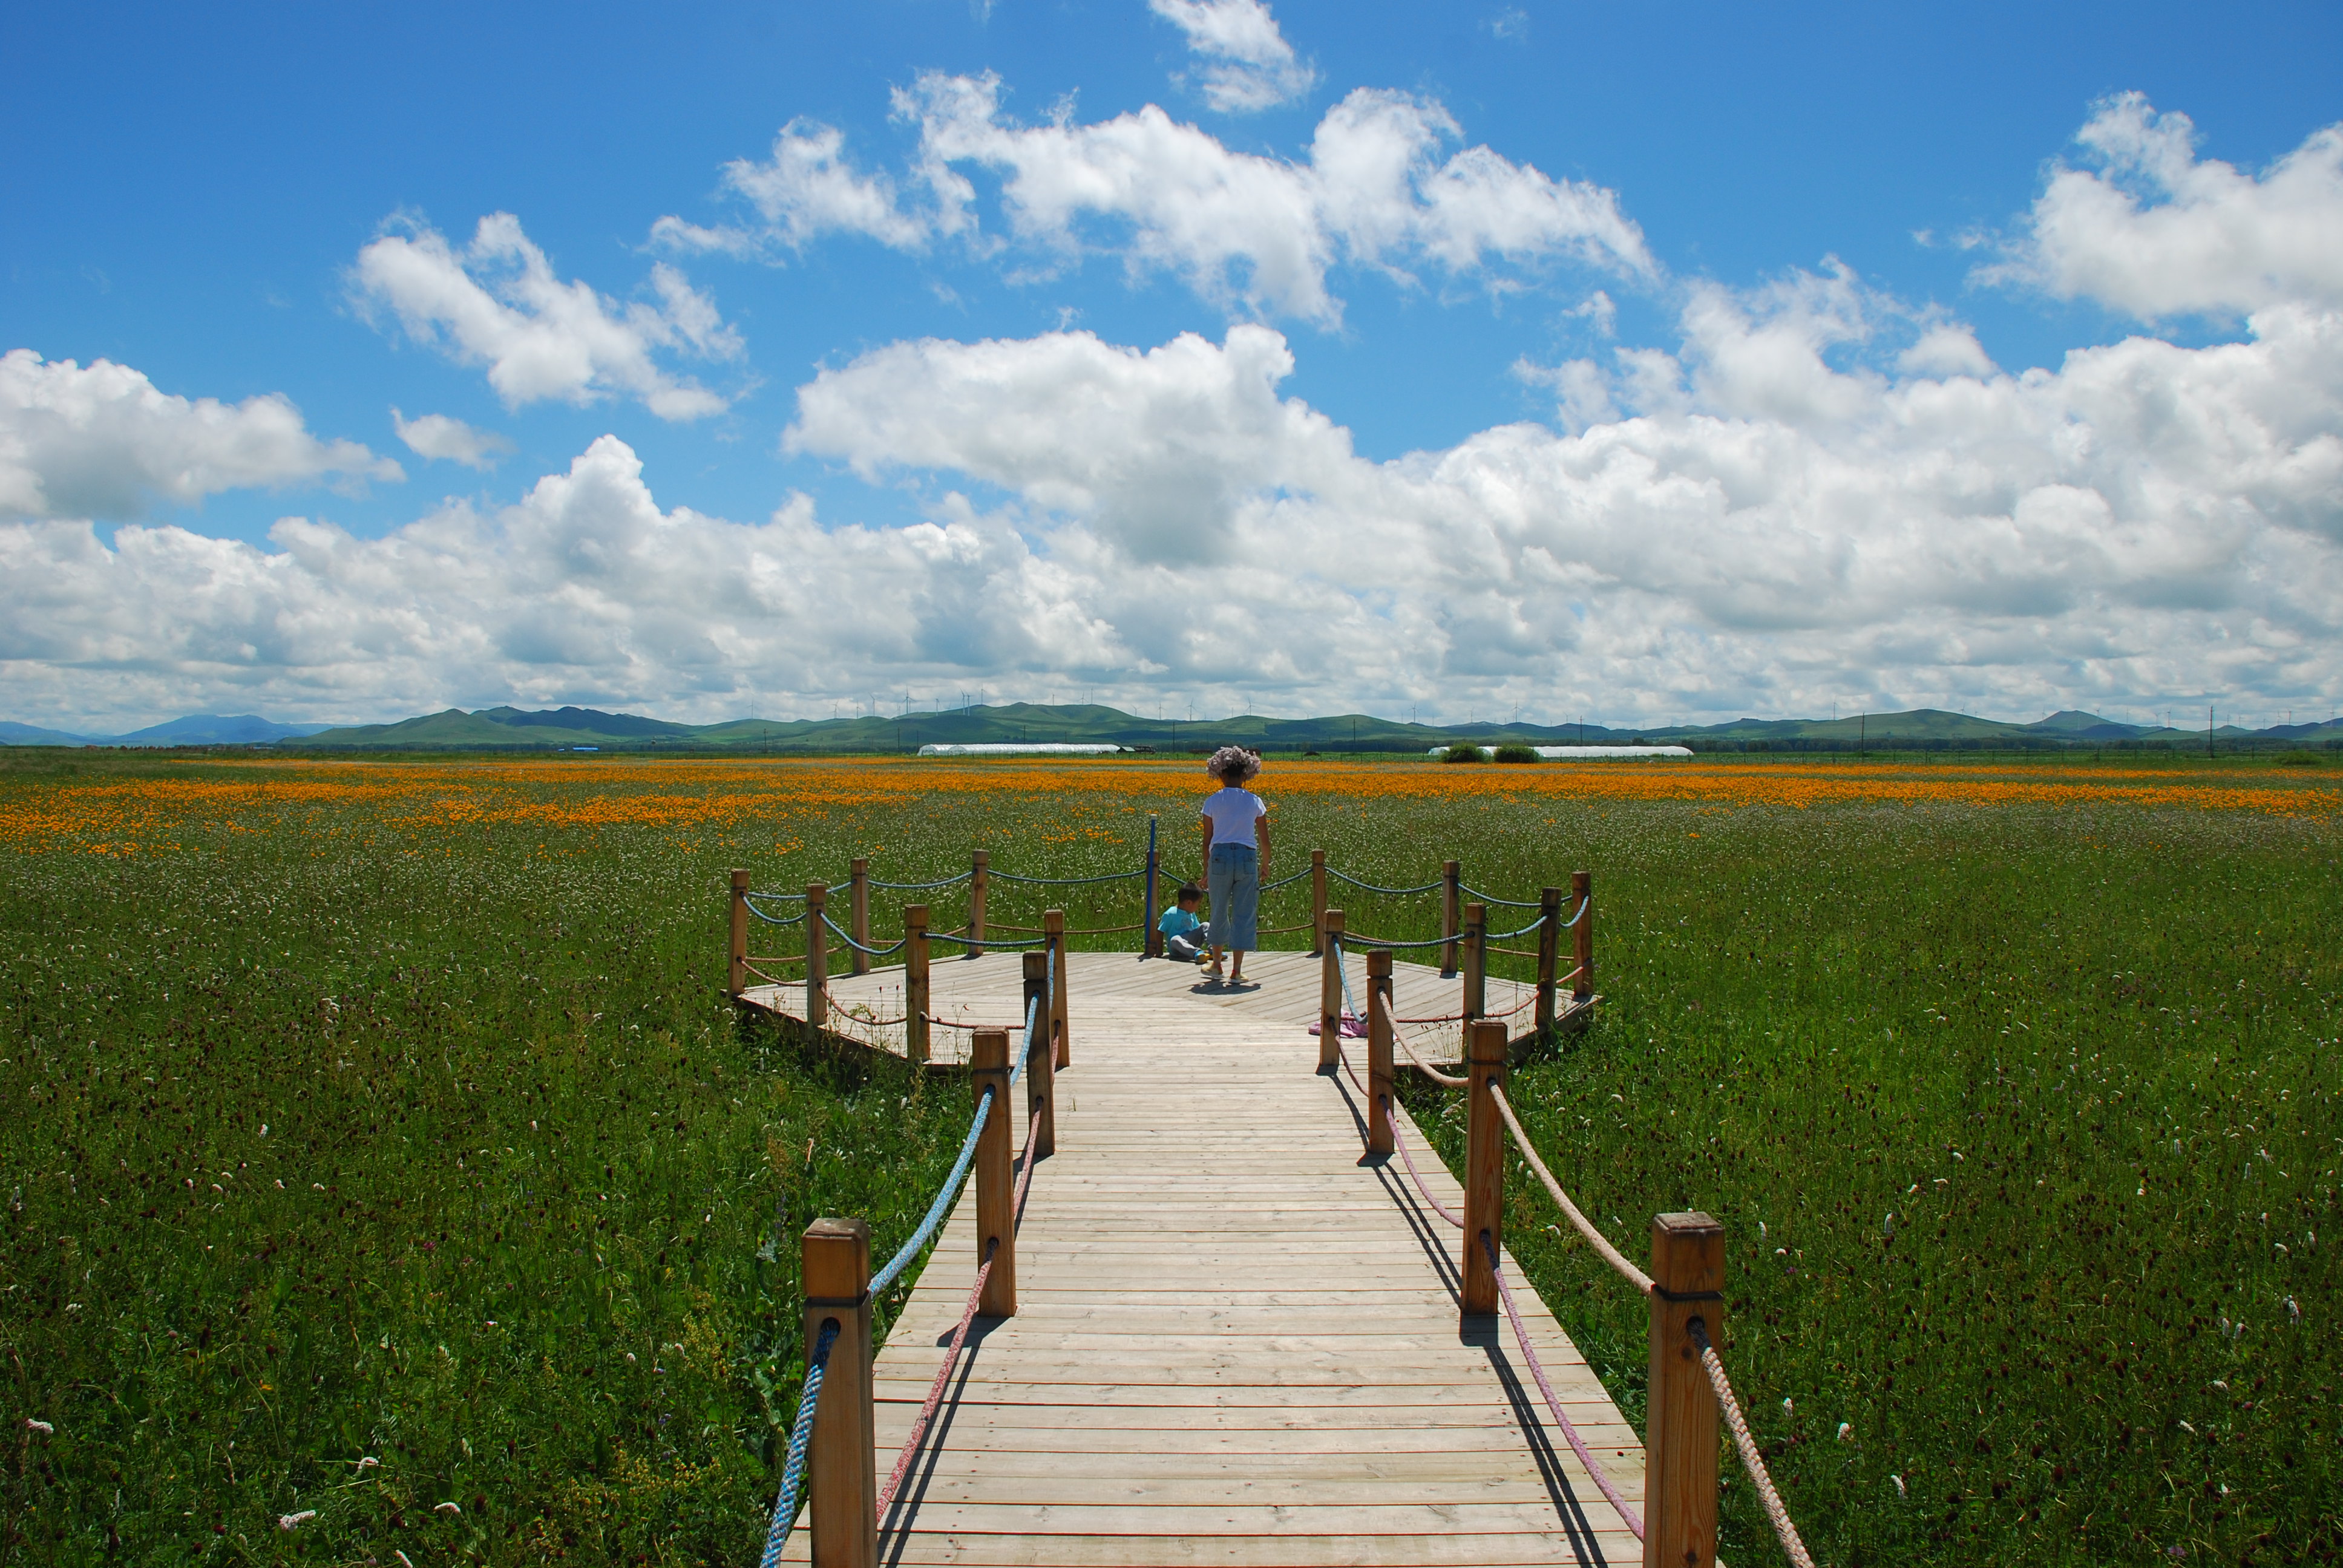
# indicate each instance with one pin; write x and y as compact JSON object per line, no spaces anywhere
{"x":1784,"y":208}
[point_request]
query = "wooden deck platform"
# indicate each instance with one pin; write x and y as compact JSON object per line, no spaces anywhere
{"x":1118,"y":987}
{"x":1237,"y":1341}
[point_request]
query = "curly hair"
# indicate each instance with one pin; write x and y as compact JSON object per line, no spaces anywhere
{"x":1233,"y":764}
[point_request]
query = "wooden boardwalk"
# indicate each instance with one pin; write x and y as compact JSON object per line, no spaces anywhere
{"x":1237,"y":1341}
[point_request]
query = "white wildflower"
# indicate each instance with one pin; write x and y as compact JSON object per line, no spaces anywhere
{"x":294,"y":1520}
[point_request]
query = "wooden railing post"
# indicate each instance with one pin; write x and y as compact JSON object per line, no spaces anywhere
{"x":817,"y":955}
{"x":1476,"y":965}
{"x":1549,"y":953}
{"x":1330,"y":993}
{"x":996,"y":1189}
{"x":1054,"y":932}
{"x":915,"y":982}
{"x":858,"y":904}
{"x":1680,"y":1437}
{"x":1379,"y":1051}
{"x":740,"y":949}
{"x":1582,"y":893}
{"x":1151,"y":936}
{"x":979,"y":879}
{"x":1317,"y":902}
{"x":1041,"y":1059}
{"x":1485,"y":1164}
{"x":842,"y":1471}
{"x":1451,"y":881}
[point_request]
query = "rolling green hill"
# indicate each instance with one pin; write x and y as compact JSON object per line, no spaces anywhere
{"x":513,"y":729}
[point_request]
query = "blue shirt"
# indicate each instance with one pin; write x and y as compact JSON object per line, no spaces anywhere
{"x":1178,"y":922}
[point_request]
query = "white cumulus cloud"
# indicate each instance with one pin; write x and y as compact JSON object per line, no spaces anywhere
{"x":103,"y":442}
{"x":1381,"y":190}
{"x":443,"y":437}
{"x":1250,"y":66}
{"x":1260,"y":230}
{"x":498,"y":302}
{"x":1812,"y":491}
{"x":2154,"y":231}
{"x":1153,"y":449}
{"x":805,"y":190}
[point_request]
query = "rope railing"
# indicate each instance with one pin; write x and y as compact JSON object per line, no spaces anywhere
{"x":936,"y":1210}
{"x":1752,"y":1460}
{"x":1425,"y":1068}
{"x":923,"y":887}
{"x":1400,"y":1142}
{"x":1562,"y":1418}
{"x":846,"y":937}
{"x":1370,"y":887}
{"x":1476,"y":893}
{"x":1069,"y":881}
{"x":1578,"y":1220}
{"x":774,"y":919}
{"x":966,"y":940}
{"x":934,"y":1401}
{"x":1688,"y":1259}
{"x":785,"y":1507}
{"x":1365,"y":941}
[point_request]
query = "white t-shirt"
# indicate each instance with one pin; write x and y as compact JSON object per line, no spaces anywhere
{"x":1231,"y":811}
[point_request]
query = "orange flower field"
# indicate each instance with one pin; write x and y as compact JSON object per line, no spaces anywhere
{"x":156,"y":813}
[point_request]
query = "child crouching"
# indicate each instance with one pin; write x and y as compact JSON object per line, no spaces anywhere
{"x":1183,"y":930}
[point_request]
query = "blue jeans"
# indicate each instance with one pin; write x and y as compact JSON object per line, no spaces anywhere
{"x":1233,"y":879}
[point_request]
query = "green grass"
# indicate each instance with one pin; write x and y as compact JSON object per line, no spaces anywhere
{"x":500,"y":1089}
{"x":2087,"y":1063}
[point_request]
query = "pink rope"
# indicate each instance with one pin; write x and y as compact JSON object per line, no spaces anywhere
{"x":959,"y":1337}
{"x":1409,"y":1161}
{"x":935,"y":1390}
{"x":1537,"y":1370}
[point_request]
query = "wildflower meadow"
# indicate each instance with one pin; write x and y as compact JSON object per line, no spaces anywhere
{"x":387,"y":1179}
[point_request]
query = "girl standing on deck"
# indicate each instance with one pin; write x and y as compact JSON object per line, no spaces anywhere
{"x":1236,"y":854}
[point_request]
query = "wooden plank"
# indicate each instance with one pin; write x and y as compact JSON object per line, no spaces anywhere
{"x":1236,"y":1340}
{"x":1436,"y":1549}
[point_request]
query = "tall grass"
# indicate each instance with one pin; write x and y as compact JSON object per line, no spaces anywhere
{"x":408,"y":1126}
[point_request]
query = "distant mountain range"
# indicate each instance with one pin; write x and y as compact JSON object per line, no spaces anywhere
{"x":195,"y":729}
{"x":587,"y":728}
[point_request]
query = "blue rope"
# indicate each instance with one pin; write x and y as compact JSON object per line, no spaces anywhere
{"x":1071,"y":881}
{"x":773,"y":919}
{"x":1366,"y":941}
{"x":1508,"y":936}
{"x":1282,"y":881}
{"x":858,"y":947}
{"x":968,"y":942}
{"x":1370,"y":887}
{"x":1582,"y":912}
{"x":785,"y":1508}
{"x":1343,"y":970}
{"x":1492,"y":899}
{"x":927,"y":1231}
{"x":921,"y":887}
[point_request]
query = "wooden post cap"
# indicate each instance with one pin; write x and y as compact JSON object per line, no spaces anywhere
{"x":836,"y":1256}
{"x":1687,"y":1254}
